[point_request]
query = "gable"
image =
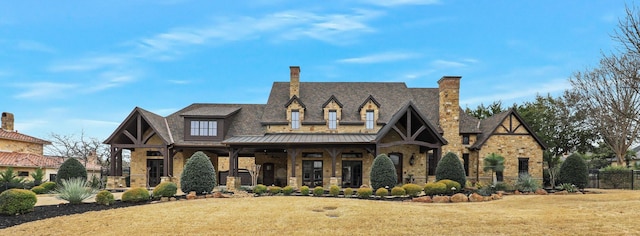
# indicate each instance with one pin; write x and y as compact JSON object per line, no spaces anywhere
{"x":511,"y":125}
{"x":412,"y":127}
{"x":138,"y":128}
{"x":505,"y":123}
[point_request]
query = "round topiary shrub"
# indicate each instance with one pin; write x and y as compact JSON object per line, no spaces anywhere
{"x":198,"y":175}
{"x":364,"y":192}
{"x":412,"y":190}
{"x":17,"y":201}
{"x":451,"y":168}
{"x":452,"y":186}
{"x":574,"y":171}
{"x":139,"y":194}
{"x":48,"y":186}
{"x":318,"y":191}
{"x":383,"y":172}
{"x":71,"y":168}
{"x":287,"y":190}
{"x":334,"y":190}
{"x":39,"y":190}
{"x":435,"y":189}
{"x":166,"y":189}
{"x":105,"y":197}
{"x":274,"y":190}
{"x":381,"y":192}
{"x":304,"y":190}
{"x":348,"y":192}
{"x":260,"y":189}
{"x":398,"y":191}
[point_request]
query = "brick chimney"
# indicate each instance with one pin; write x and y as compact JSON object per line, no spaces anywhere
{"x":294,"y":84}
{"x":7,"y":121}
{"x":449,"y":109}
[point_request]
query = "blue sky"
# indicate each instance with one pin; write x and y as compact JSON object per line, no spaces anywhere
{"x":69,"y":66}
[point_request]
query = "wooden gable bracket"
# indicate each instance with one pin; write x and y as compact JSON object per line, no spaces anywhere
{"x":511,"y":129}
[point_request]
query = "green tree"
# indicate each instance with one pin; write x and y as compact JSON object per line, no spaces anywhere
{"x":494,"y":163}
{"x":37,"y":176}
{"x":574,"y":171}
{"x":383,"y":172}
{"x":71,"y":168}
{"x":450,"y":167}
{"x":198,"y":174}
{"x":483,"y":112}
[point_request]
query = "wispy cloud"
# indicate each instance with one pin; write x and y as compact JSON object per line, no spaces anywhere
{"x":89,"y":63}
{"x":44,"y":90}
{"x":111,"y":80}
{"x":28,"y":45}
{"x":391,"y":3}
{"x":380,"y":57}
{"x":179,"y":81}
{"x":505,"y":91}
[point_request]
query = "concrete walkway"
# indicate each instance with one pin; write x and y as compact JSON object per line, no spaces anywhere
{"x":50,"y":199}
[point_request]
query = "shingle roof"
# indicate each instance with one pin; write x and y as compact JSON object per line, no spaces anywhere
{"x":292,"y":138}
{"x":13,"y":135}
{"x":16,"y":159}
{"x":469,"y":124}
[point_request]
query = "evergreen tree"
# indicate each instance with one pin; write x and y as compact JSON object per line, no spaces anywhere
{"x":383,"y":172}
{"x":198,"y":174}
{"x":451,"y":168}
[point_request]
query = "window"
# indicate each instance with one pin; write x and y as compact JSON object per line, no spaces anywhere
{"x":154,"y":153}
{"x":369,"y":122}
{"x":23,"y":173}
{"x":465,"y":159}
{"x":204,"y":128}
{"x":295,"y":119}
{"x":312,"y":173}
{"x":333,"y":119}
{"x":433,"y":163}
{"x":499,"y":176}
{"x":465,"y":139}
{"x":312,"y":155}
{"x":352,"y":155}
{"x":52,"y":177}
{"x":523,"y":166}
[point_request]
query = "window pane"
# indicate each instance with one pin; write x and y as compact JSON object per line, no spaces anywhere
{"x":333,"y":115}
{"x":213,"y":128}
{"x":295,"y":119}
{"x":369,"y":120}
{"x":194,"y":128}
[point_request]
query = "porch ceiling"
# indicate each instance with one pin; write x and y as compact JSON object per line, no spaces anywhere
{"x":302,"y":139}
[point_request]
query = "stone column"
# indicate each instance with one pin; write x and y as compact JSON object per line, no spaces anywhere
{"x":233,"y":183}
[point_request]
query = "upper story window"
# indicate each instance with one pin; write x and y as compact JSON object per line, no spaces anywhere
{"x":465,"y":139}
{"x":369,"y":119}
{"x":204,"y":128}
{"x":295,"y":119}
{"x":333,"y":119}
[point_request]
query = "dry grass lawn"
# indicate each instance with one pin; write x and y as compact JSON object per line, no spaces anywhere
{"x":611,"y":213}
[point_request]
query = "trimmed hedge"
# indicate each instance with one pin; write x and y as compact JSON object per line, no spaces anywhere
{"x":139,"y":194}
{"x":334,"y":190}
{"x":435,"y":188}
{"x":287,"y":190}
{"x":574,"y":171}
{"x":260,"y":189}
{"x":383,"y":172}
{"x":364,"y":192}
{"x":452,"y":186}
{"x":398,"y":191}
{"x":412,"y":190}
{"x":71,"y":168}
{"x":381,"y":192}
{"x":39,"y":190}
{"x":198,"y":175}
{"x":318,"y":191}
{"x":17,"y":201}
{"x":348,"y":192}
{"x":166,"y":189}
{"x":274,"y":190}
{"x":49,"y":185}
{"x":451,"y":168}
{"x":304,"y":190}
{"x":105,"y":197}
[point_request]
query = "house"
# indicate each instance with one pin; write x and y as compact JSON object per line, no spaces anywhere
{"x":325,"y":133}
{"x":25,"y":153}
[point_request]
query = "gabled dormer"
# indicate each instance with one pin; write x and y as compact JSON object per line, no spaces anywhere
{"x":295,"y":112}
{"x":369,"y":112}
{"x":332,"y":110}
{"x":207,"y":123}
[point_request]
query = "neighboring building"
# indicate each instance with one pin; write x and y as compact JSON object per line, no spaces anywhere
{"x":25,"y":153}
{"x":319,"y":134}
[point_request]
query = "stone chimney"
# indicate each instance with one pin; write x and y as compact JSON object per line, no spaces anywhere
{"x":449,"y":112}
{"x":294,"y":84}
{"x":7,"y":121}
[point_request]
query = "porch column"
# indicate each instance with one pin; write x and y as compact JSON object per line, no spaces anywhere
{"x":233,"y":180}
{"x":172,"y":154}
{"x":119,"y":162}
{"x":112,"y":158}
{"x":293,"y":181}
{"x":165,"y":161}
{"x":333,"y":152}
{"x":437,"y":154}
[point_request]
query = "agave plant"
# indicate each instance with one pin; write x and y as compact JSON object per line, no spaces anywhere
{"x":74,"y":190}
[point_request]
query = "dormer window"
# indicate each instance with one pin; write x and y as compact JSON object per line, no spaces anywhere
{"x":370,"y":119}
{"x":295,"y":119}
{"x":204,"y":128}
{"x":200,"y":128}
{"x":333,"y":119}
{"x":369,"y":112}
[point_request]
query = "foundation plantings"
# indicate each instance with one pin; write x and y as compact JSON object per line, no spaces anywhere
{"x":105,"y":197}
{"x":451,"y":168}
{"x":412,"y":190}
{"x":166,"y":189}
{"x":304,"y":190}
{"x":334,"y":190}
{"x":288,"y":190}
{"x":139,"y":194}
{"x":383,"y":172}
{"x":398,"y":191}
{"x":198,"y":175}
{"x":318,"y":191}
{"x":17,"y":201}
{"x":260,"y":189}
{"x":71,"y":168}
{"x":364,"y":193}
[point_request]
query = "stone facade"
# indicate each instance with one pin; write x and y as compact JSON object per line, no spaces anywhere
{"x":21,"y":147}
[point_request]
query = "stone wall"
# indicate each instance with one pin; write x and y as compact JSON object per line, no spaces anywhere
{"x":449,"y":113}
{"x":512,"y":147}
{"x":22,"y":147}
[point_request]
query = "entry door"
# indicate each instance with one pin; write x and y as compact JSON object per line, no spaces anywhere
{"x":351,"y":174}
{"x":312,"y":173}
{"x":268,"y":174}
{"x":397,"y":162}
{"x":155,"y":170}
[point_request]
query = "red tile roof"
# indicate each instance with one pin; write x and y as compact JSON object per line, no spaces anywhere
{"x":16,"y":159}
{"x":13,"y":135}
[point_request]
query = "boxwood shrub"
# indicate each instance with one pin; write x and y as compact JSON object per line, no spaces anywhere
{"x":287,"y":190}
{"x":348,"y":192}
{"x":166,"y":189}
{"x":318,"y":191}
{"x":274,"y":190}
{"x":412,"y":190}
{"x":452,"y":186}
{"x":17,"y":201}
{"x":334,"y":190}
{"x":260,"y":189}
{"x":39,"y":190}
{"x":364,"y":192}
{"x":398,"y":191}
{"x":49,"y":185}
{"x":139,"y":194}
{"x":304,"y":190}
{"x":105,"y":197}
{"x":435,"y":188}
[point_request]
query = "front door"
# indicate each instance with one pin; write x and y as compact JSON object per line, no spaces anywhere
{"x":312,"y":173}
{"x":396,"y":158}
{"x":268,"y":174}
{"x":351,"y":174}
{"x":155,"y":170}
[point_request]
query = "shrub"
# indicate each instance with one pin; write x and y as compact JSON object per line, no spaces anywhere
{"x":96,"y":182}
{"x":17,"y":201}
{"x":39,"y":190}
{"x":451,"y":168}
{"x":435,"y":188}
{"x":398,"y":191}
{"x":48,"y":186}
{"x":9,"y":179}
{"x":74,"y":190}
{"x":37,"y":176}
{"x":287,"y":190}
{"x":569,"y":188}
{"x":71,"y":168}
{"x":616,"y":176}
{"x":364,"y":192}
{"x":274,"y":190}
{"x":318,"y":191}
{"x":526,"y":183}
{"x":486,"y":190}
{"x":452,"y":186}
{"x":574,"y":171}
{"x":304,"y":190}
{"x":348,"y":192}
{"x":502,"y":186}
{"x":139,"y":194}
{"x":166,"y":189}
{"x":334,"y":190}
{"x":198,"y":174}
{"x":260,"y":189}
{"x":383,"y":172}
{"x":381,"y":192}
{"x":412,"y":189}
{"x":105,"y":197}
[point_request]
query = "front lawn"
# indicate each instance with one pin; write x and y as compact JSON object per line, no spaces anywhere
{"x":613,"y":212}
